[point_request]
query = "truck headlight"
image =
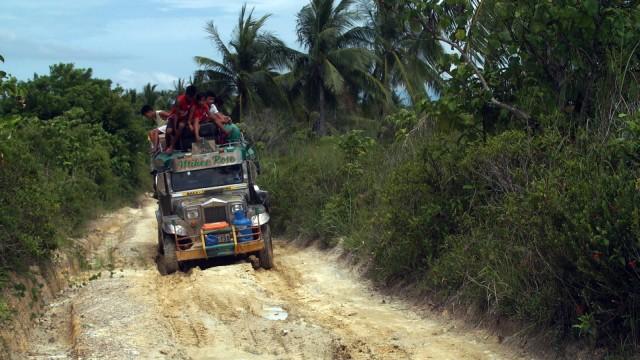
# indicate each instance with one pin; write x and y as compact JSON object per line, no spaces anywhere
{"x":180,"y":230}
{"x":193,"y":214}
{"x":172,"y":229}
{"x":237,"y":207}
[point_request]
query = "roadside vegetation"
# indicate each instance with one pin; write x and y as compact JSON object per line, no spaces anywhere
{"x":70,"y":147}
{"x":483,"y":152}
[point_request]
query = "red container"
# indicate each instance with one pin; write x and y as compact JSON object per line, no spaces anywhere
{"x":215,"y":226}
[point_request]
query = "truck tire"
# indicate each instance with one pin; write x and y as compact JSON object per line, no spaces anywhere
{"x":266,"y":254}
{"x":168,"y":257}
{"x":160,"y":241}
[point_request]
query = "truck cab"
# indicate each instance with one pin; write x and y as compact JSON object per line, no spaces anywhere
{"x":209,"y":206}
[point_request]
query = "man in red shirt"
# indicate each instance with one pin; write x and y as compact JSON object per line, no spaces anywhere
{"x":178,"y":120}
{"x":199,"y":114}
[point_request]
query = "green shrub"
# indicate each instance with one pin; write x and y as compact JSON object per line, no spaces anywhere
{"x":56,"y":174}
{"x":301,"y":181}
{"x":320,"y":188}
{"x":420,"y":203}
{"x":539,"y":228}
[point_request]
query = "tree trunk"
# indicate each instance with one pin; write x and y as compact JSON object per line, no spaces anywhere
{"x":320,"y":125}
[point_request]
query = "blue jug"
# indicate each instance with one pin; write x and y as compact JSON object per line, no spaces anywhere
{"x":243,"y":226}
{"x":211,"y":240}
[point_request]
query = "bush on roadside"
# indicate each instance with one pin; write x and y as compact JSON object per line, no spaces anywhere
{"x":538,"y":228}
{"x":56,"y":173}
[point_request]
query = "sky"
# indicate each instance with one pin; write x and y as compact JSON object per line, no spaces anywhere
{"x":131,"y":42}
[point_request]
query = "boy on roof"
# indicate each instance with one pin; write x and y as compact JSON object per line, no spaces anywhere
{"x":228,"y":132}
{"x":178,"y":120}
{"x":214,"y":113}
{"x":199,"y":114}
{"x":160,"y":119}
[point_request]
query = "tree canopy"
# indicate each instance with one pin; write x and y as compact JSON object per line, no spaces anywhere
{"x":249,"y":64}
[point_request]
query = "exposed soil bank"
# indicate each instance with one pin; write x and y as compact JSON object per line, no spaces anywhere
{"x":27,"y":295}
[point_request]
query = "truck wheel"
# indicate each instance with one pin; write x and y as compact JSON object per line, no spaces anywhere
{"x":160,"y":245}
{"x":266,"y":254}
{"x":169,"y":259}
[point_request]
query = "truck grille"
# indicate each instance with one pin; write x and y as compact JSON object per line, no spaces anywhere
{"x":215,"y":214}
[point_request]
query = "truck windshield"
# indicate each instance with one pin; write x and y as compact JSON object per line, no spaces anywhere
{"x":206,"y":178}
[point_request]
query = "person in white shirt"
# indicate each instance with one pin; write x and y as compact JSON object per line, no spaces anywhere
{"x":214,"y":113}
{"x":156,"y":136}
{"x":219,"y":119}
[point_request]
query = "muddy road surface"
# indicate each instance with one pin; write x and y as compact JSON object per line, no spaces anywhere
{"x":308,"y":307}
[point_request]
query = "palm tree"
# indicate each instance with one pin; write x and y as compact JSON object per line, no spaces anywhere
{"x":336,"y":60}
{"x":2,"y":73}
{"x":403,"y":61}
{"x":249,"y":64}
{"x":179,"y":86}
{"x":149,"y":94}
{"x":132,"y":95}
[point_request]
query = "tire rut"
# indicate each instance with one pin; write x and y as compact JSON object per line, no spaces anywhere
{"x":367,"y":325}
{"x":307,"y":307}
{"x":348,"y":344}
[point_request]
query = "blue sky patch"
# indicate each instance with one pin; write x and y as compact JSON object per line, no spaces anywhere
{"x":132,"y":42}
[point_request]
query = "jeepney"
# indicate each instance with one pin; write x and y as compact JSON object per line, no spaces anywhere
{"x":210,"y":206}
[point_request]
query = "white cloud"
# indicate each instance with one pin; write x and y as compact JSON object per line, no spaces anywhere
{"x":152,"y":29}
{"x":225,"y":16}
{"x":189,"y":4}
{"x":233,"y":6}
{"x":20,"y":47}
{"x":131,"y":79}
{"x":7,"y":35}
{"x":8,"y":17}
{"x":131,"y":42}
{"x":27,"y":8}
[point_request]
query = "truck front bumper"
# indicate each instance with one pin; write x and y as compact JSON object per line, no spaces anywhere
{"x":195,"y":248}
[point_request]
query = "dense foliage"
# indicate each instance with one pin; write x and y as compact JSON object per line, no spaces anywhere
{"x":512,"y":183}
{"x":70,"y":146}
{"x":484,"y":150}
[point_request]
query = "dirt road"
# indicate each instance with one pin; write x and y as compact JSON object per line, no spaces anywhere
{"x":308,"y":307}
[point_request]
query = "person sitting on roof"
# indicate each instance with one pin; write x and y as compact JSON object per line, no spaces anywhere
{"x":159,"y":117}
{"x":199,"y":114}
{"x":214,"y":113}
{"x":229,"y":132}
{"x":178,"y":121}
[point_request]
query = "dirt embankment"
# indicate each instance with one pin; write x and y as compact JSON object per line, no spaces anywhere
{"x":307,"y":307}
{"x":27,"y":295}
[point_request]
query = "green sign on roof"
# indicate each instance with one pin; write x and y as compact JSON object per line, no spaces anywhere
{"x":209,"y":160}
